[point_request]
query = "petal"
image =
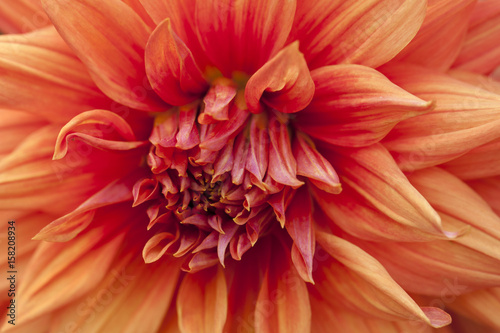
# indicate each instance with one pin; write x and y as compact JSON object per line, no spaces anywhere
{"x":283,"y":301}
{"x":440,"y":38}
{"x":98,"y":128}
{"x":311,"y":164}
{"x":283,"y":83}
{"x":70,"y":225}
{"x":378,"y":202}
{"x":489,"y":190}
{"x":109,"y":38}
{"x":243,"y":35}
{"x":171,"y":68}
{"x":299,"y":225}
{"x":368,"y":33}
{"x":465,"y":117}
{"x":363,"y":284}
{"x":282,"y":164}
{"x":202,"y":301}
{"x":480,"y":51}
{"x":258,"y":154}
{"x":58,"y":273}
{"x":63,"y":87}
{"x":481,"y":305}
{"x":356,"y":106}
{"x":22,"y":16}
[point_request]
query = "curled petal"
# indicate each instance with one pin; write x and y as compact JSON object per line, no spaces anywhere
{"x":283,"y":83}
{"x":171,"y":68}
{"x":311,"y":164}
{"x":356,"y":106}
{"x":100,"y":129}
{"x":111,"y":47}
{"x":217,"y":100}
{"x":282,"y":164}
{"x":299,"y":224}
{"x":258,"y":154}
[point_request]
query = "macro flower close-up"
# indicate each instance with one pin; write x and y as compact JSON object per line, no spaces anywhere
{"x":205,"y":166}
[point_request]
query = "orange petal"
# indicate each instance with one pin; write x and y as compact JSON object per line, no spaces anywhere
{"x":440,"y":38}
{"x":111,"y":46}
{"x":59,"y":273}
{"x":489,"y":190}
{"x":378,"y":202}
{"x":480,"y":51}
{"x":171,"y":68}
{"x":243,"y":35}
{"x":368,"y":33}
{"x":283,"y":301}
{"x":15,"y":127}
{"x":356,"y":106}
{"x":22,"y":16}
{"x":465,"y":117}
{"x":52,"y":70}
{"x":361,"y":283}
{"x":133,"y":297}
{"x":283,"y":83}
{"x":202,"y":301}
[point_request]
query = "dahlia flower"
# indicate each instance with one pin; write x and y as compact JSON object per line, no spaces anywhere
{"x":250,"y":165}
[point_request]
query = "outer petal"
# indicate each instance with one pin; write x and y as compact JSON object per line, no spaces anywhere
{"x":368,"y":33}
{"x":171,"y":68}
{"x":283,"y":83}
{"x":202,"y":301}
{"x":465,"y":117}
{"x":489,"y":190}
{"x":378,"y":202}
{"x":480,"y":52}
{"x":283,"y":302}
{"x":356,"y":106}
{"x":63,"y":87}
{"x":440,"y":38}
{"x":363,"y":285}
{"x":480,"y":305}
{"x":22,"y":16}
{"x":63,"y":269}
{"x":109,"y":37}
{"x":243,"y":35}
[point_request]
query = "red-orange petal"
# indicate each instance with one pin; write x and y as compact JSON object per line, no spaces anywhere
{"x":368,"y":33}
{"x":110,"y":45}
{"x":171,"y":68}
{"x":243,"y":35}
{"x":356,"y":106}
{"x":283,"y":83}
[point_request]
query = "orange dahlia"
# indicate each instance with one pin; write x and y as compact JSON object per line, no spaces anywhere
{"x":250,"y":166}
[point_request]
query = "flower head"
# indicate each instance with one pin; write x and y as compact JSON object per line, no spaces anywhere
{"x":267,"y":166}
